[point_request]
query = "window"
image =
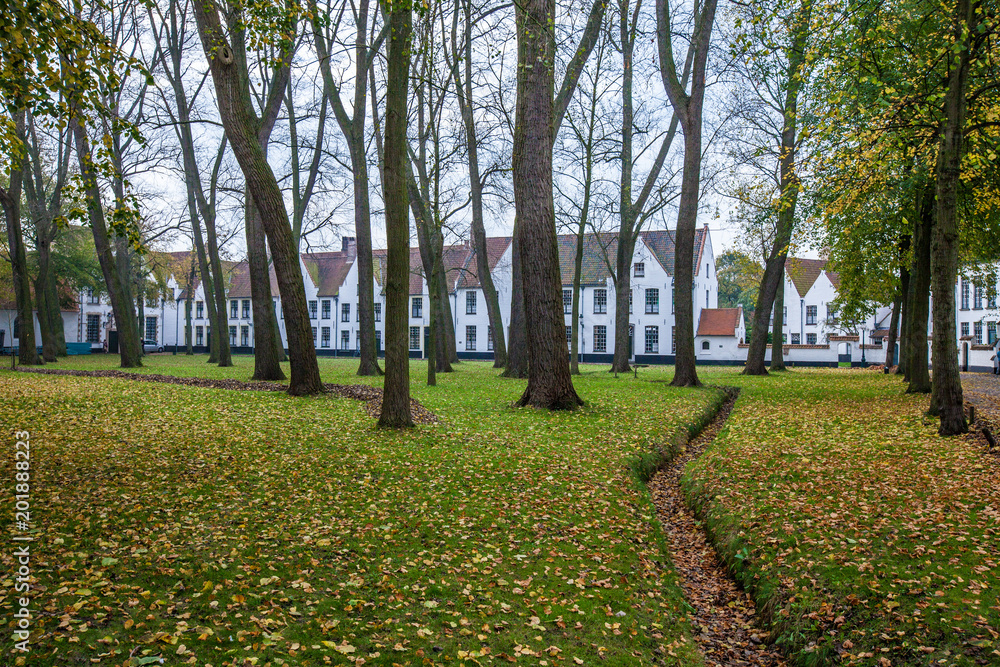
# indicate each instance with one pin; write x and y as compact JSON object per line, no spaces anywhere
{"x":417,"y":310}
{"x":414,"y":338}
{"x":357,"y":312}
{"x":246,"y":309}
{"x":652,"y":301}
{"x":708,"y":274}
{"x":151,"y":329}
{"x":345,"y":312}
{"x":831,"y":314}
{"x":324,"y":340}
{"x":569,"y":336}
{"x":977,"y":328}
{"x":991,"y":299}
{"x":199,"y":335}
{"x":796,"y":339}
{"x":93,"y":328}
{"x":705,"y":345}
{"x":245,"y":336}
{"x":600,"y":338}
{"x":232,"y":335}
{"x":378,"y":312}
{"x":965,"y":295}
{"x":784,"y":338}
{"x":489,"y":338}
{"x":991,"y":332}
{"x":234,"y":309}
{"x":600,"y":301}
{"x":810,"y":339}
{"x":199,"y":309}
{"x":470,"y":336}
{"x":706,"y":298}
{"x":357,"y":342}
{"x":965,"y":328}
{"x":673,"y":340}
{"x":345,"y":340}
{"x":673,"y":299}
{"x":92,"y":299}
{"x":652,"y":340}
{"x":784,"y":314}
{"x":639,"y":270}
{"x":326,"y":309}
{"x":811,"y":314}
{"x":567,"y":301}
{"x":312,"y":311}
{"x":977,"y":298}
{"x":630,"y":302}
{"x":314,"y":335}
{"x":470,"y":302}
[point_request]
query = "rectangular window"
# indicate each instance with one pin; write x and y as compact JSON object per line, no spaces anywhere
{"x":378,"y":312}
{"x":234,"y":309}
{"x":673,"y":340}
{"x":673,"y":300}
{"x":784,"y":314}
{"x":567,"y":301}
{"x":706,"y":297}
{"x":811,"y":312}
{"x":630,"y":302}
{"x":345,"y":340}
{"x":232,"y":335}
{"x":810,"y":339}
{"x":199,"y":335}
{"x":470,"y":336}
{"x":796,"y":339}
{"x":965,"y":295}
{"x":326,"y":309}
{"x":977,"y":298}
{"x":151,"y":329}
{"x":313,"y":308}
{"x":92,"y":299}
{"x":245,"y":336}
{"x":414,"y":338}
{"x":965,"y":328}
{"x":831,"y":314}
{"x":470,"y":302}
{"x":417,"y":310}
{"x":324,"y":340}
{"x":639,"y":270}
{"x":600,"y":301}
{"x":569,"y":336}
{"x":977,"y":328}
{"x":345,"y":312}
{"x":489,"y":338}
{"x":652,"y":340}
{"x":991,"y":299}
{"x":93,"y":328}
{"x":784,"y":338}
{"x":357,"y":312}
{"x":653,"y":301}
{"x":314,"y":335}
{"x":991,"y":332}
{"x":246,"y":309}
{"x":199,"y":310}
{"x":600,"y":338}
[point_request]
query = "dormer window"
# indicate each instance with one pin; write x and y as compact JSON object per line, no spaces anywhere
{"x":639,"y":270}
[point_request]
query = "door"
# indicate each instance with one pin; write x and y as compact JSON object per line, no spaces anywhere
{"x":965,"y":357}
{"x":113,"y":342}
{"x":845,"y":353}
{"x":631,"y":338}
{"x":427,"y":340}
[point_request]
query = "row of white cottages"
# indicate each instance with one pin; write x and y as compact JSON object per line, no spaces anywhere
{"x":812,"y":333}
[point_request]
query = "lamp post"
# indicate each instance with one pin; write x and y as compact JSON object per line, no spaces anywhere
{"x":864,"y":362}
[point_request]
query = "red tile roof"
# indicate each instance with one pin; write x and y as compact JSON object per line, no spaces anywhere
{"x":719,"y":321}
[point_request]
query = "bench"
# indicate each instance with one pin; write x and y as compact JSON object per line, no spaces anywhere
{"x":636,"y":367}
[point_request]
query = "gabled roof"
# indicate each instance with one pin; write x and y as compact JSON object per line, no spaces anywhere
{"x":239,"y":283}
{"x":598,"y":251}
{"x":804,"y":272}
{"x":496,"y":246}
{"x":328,"y":270}
{"x":719,"y":321}
{"x":662,"y":244}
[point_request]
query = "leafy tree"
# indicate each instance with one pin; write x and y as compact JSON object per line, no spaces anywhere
{"x":739,"y":280}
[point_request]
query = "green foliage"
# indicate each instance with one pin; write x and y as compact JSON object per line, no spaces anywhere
{"x":739,"y":281}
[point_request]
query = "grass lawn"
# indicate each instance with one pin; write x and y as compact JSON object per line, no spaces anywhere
{"x":232,"y":528}
{"x":863,"y":533}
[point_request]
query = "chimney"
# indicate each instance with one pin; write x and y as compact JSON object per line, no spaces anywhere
{"x":350,"y":245}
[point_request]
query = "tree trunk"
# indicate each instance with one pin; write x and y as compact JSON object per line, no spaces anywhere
{"x":890,"y":348}
{"x":242,"y":127}
{"x":946,"y":399}
{"x":396,"y":386}
{"x":920,"y":277}
{"x":574,"y":348}
{"x":777,"y":344}
{"x":904,"y":311}
{"x":189,"y":340}
{"x":517,"y":351}
{"x":623,"y":288}
{"x":268,"y":350}
{"x":447,"y":315}
{"x":366,"y":270}
{"x":550,"y":384}
{"x":124,"y":313}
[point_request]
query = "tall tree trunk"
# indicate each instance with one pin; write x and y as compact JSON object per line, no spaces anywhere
{"x":946,"y":399}
{"x":777,"y":346}
{"x":920,"y":280}
{"x":517,"y":351}
{"x":396,"y":386}
{"x":550,"y":384}
{"x":268,"y":350}
{"x":124,"y":313}
{"x":242,"y":128}
{"x":447,"y":314}
{"x":574,"y":349}
{"x":904,"y":311}
{"x":893,"y":325}
{"x":187,"y":312}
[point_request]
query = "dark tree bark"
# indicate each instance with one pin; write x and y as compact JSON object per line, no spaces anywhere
{"x":242,"y":128}
{"x":129,"y":346}
{"x":187,"y":311}
{"x":893,"y":325}
{"x":353,"y":128}
{"x":268,"y":350}
{"x":550,"y":384}
{"x":774,"y":269}
{"x":517,"y":352}
{"x":688,"y":108}
{"x":777,"y":346}
{"x":946,"y":399}
{"x":920,"y":277}
{"x":10,"y":198}
{"x":904,"y":292}
{"x":396,"y":386}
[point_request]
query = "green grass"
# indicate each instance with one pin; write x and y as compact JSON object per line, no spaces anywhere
{"x":860,"y":531}
{"x":219,"y":527}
